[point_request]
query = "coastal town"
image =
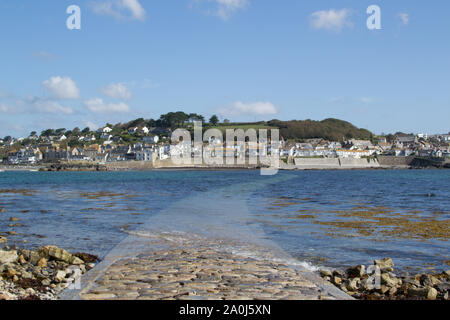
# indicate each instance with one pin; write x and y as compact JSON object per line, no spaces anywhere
{"x":150,"y":141}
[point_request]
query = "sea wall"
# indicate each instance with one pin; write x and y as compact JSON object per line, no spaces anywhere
{"x":395,"y":161}
{"x":317,"y":163}
{"x":358,"y":163}
{"x":335,"y":163}
{"x":169,"y":164}
{"x":129,"y":165}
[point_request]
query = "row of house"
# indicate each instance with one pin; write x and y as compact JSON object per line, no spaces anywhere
{"x":149,"y":148}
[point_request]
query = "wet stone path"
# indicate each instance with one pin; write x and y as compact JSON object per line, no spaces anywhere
{"x":202,"y":273}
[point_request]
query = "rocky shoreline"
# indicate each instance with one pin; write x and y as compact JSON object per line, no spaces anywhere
{"x":380,"y":282}
{"x":40,"y":274}
{"x":202,"y":273}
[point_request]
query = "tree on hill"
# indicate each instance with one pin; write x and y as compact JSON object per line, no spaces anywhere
{"x":135,"y":123}
{"x":196,"y":117}
{"x":60,"y":131}
{"x":48,"y":133}
{"x":214,"y":120}
{"x":329,"y":129}
{"x":173,"y":120}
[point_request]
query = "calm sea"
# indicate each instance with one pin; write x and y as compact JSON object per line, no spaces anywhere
{"x":325,"y":218}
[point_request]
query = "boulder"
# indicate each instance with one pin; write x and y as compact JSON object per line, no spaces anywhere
{"x":426,"y":280}
{"x":76,"y":260}
{"x":31,"y":256}
{"x":427,"y":293}
{"x":325,"y":273}
{"x":356,"y":272}
{"x":432,"y":294}
{"x":3,"y":239}
{"x":60,"y":276}
{"x":443,"y":287}
{"x":13,"y":219}
{"x":6,"y":296}
{"x":8,"y":256}
{"x":353,"y":284}
{"x":337,"y":280}
{"x":2,"y":210}
{"x":447,"y":274}
{"x":42,"y":263}
{"x":46,"y":282}
{"x":384,"y":289}
{"x":389,"y":281}
{"x":392,"y":291}
{"x":59,"y":254}
{"x":10,"y":273}
{"x":385,"y":265}
{"x":339,"y":273}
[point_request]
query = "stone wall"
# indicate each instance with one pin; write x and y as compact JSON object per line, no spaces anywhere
{"x":129,"y":165}
{"x":395,"y":161}
{"x":317,"y":163}
{"x":358,"y":163}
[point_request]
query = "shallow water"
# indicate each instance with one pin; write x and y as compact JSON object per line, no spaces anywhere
{"x":331,"y":218}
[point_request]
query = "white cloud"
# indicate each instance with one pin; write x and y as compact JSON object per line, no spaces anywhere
{"x":43,"y":55}
{"x":367,"y":100}
{"x":47,"y":106}
{"x":337,"y":99}
{"x":62,"y":88}
{"x":97,"y":105}
{"x":5,"y":108}
{"x":116,"y":8}
{"x":334,"y":20}
{"x":35,"y":105}
{"x":227,"y":7}
{"x":224,"y":8}
{"x":117,"y":91}
{"x":404,"y":17}
{"x":253,"y":108}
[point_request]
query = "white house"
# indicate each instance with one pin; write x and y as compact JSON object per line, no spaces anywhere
{"x":361,"y":144}
{"x":133,"y":130}
{"x":106,"y":136}
{"x":145,"y":154}
{"x":422,"y":136}
{"x":87,"y":139}
{"x":145,"y":130}
{"x":104,"y":130}
{"x":357,"y":154}
{"x":151,"y":139}
{"x":163,"y":152}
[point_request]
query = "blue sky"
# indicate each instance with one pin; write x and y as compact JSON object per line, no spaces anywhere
{"x":242,"y":59}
